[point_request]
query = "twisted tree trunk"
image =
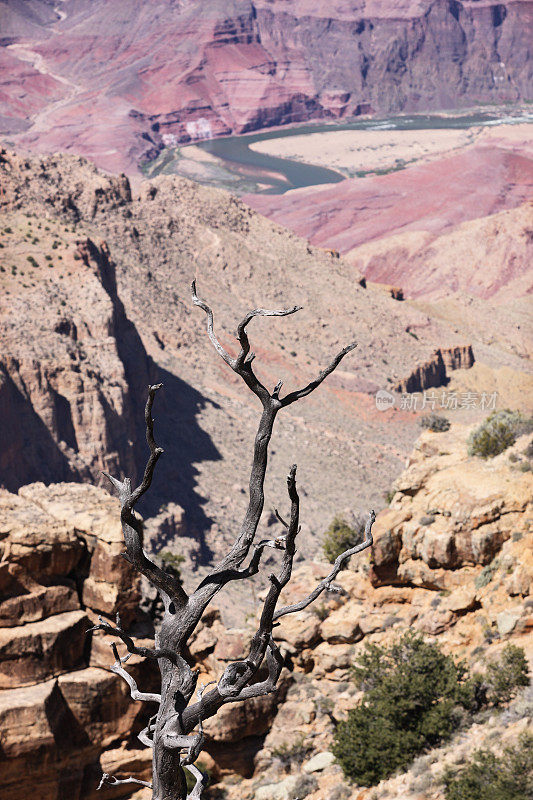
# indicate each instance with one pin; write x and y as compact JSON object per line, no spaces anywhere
{"x":175,"y":733}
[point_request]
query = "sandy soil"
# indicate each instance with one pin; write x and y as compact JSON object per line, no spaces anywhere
{"x":356,"y":151}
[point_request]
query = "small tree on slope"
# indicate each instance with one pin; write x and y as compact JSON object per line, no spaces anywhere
{"x":175,"y":732}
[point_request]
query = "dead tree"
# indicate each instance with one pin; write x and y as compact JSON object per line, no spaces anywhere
{"x":175,"y":732}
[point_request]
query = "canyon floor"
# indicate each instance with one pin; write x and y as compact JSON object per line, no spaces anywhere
{"x":378,"y":149}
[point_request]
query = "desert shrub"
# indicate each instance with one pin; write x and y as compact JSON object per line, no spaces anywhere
{"x":491,"y":777}
{"x":435,"y":423}
{"x":506,"y":675}
{"x":340,"y":537}
{"x":321,"y":611}
{"x":291,"y":753}
{"x":497,"y":433}
{"x":413,"y":698}
{"x":389,"y":495}
{"x":171,"y":563}
{"x":487,"y":574}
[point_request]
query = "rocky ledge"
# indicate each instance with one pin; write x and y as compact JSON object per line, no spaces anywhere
{"x":452,"y":559}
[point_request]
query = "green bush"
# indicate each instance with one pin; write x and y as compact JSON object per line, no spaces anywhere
{"x":290,"y":753}
{"x":435,"y":423}
{"x":413,"y":699}
{"x":497,"y":433}
{"x":340,"y":537}
{"x":487,"y":573}
{"x":490,"y":777}
{"x":170,"y":563}
{"x":506,"y":675}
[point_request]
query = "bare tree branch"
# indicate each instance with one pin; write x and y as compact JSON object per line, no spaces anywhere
{"x":146,"y":652}
{"x":175,"y":733}
{"x":242,"y":364}
{"x":201,"y":782}
{"x":110,"y":780}
{"x":225,"y":576}
{"x":118,"y":669}
{"x":232,"y":686}
{"x":132,"y":526}
{"x":326,"y":583}
{"x":297,"y":395}
{"x":275,"y":665}
{"x":210,"y":331}
{"x":243,"y":336}
{"x":226,"y":569}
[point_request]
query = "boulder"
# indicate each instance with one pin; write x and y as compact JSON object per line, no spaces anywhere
{"x":300,"y":630}
{"x":506,"y":621}
{"x":34,"y":652}
{"x":319,"y":762}
{"x":341,"y":626}
{"x":460,"y":600}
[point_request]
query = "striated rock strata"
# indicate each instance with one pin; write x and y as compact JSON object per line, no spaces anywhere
{"x":434,"y":372}
{"x":180,"y":72}
{"x":64,"y":717}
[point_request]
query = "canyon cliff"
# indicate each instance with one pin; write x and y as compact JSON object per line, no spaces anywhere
{"x":118,"y":82}
{"x":95,"y":305}
{"x":452,"y":560}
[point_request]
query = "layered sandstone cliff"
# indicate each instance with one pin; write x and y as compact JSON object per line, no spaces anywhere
{"x":180,"y":72}
{"x":64,"y":717}
{"x":452,"y":560}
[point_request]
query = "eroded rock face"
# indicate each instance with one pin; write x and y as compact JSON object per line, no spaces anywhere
{"x":71,"y":377}
{"x":79,"y":358}
{"x":435,"y":372}
{"x":247,"y":65}
{"x":60,"y":563}
{"x":449,"y":512}
{"x":452,"y":559}
{"x":61,"y":710}
{"x":481,"y":515}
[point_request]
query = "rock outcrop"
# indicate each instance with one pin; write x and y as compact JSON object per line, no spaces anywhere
{"x":452,"y":559}
{"x":180,"y":72}
{"x":73,"y":371}
{"x":450,"y":512}
{"x":435,"y":372}
{"x":63,"y":715}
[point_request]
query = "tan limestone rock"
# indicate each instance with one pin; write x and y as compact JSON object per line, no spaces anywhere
{"x":341,"y":626}
{"x":33,"y":652}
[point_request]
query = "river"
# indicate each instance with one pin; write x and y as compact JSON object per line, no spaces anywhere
{"x":234,"y":151}
{"x":230,"y":163}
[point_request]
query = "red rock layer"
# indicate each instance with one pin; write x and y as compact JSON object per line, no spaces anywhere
{"x":433,"y":199}
{"x":116,"y":81}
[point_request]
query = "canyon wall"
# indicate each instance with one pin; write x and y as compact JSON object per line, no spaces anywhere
{"x":452,"y":560}
{"x":95,"y":304}
{"x":168,"y":73}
